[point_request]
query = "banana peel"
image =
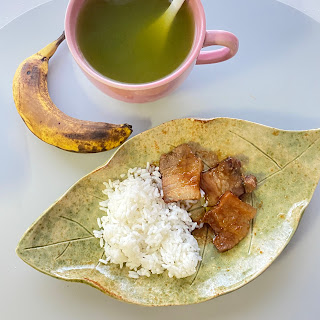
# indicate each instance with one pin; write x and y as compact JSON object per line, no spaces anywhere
{"x":47,"y":122}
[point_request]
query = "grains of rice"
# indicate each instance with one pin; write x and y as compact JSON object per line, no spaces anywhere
{"x":99,"y":223}
{"x":144,"y":233}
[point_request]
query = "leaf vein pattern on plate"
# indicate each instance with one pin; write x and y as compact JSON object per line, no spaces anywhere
{"x":63,"y":251}
{"x":263,"y":152}
{"x":202,"y":255}
{"x":78,"y":223}
{"x":94,"y":196}
{"x":59,"y":243}
{"x":103,"y":254}
{"x":291,"y":161}
{"x":302,"y":153}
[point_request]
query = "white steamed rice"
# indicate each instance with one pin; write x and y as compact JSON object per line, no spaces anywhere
{"x":144,"y":233}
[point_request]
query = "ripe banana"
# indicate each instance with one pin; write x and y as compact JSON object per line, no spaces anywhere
{"x":47,"y":122}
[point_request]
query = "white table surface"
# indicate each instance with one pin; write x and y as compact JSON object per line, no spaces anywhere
{"x":86,"y":303}
{"x":13,"y":8}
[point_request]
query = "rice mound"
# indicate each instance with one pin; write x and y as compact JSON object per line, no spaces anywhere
{"x":144,"y":233}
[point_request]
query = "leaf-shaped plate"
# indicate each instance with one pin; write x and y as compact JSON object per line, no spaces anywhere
{"x":61,"y":243}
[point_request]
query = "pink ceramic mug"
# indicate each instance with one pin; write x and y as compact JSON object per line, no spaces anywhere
{"x":157,"y":89}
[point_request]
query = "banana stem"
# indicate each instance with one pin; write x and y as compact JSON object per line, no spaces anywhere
{"x":60,"y":39}
{"x":48,"y":51}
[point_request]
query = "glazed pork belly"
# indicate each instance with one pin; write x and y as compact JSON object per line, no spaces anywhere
{"x":226,"y":176}
{"x":180,"y":170}
{"x":230,"y":221}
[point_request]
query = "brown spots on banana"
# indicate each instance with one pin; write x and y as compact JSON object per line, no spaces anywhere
{"x":103,"y":140}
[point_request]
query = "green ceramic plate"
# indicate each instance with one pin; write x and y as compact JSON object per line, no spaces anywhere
{"x":61,"y":243}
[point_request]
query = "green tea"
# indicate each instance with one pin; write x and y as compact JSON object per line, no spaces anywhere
{"x":111,"y":36}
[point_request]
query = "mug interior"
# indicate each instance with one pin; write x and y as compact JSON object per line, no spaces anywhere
{"x":71,"y":19}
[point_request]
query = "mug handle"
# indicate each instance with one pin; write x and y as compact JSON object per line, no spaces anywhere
{"x":220,"y":38}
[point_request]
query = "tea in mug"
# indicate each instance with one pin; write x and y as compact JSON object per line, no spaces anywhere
{"x":111,"y":37}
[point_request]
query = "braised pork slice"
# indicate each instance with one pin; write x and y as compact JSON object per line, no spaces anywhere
{"x":180,"y":170}
{"x":209,"y":158}
{"x":250,"y":183}
{"x":226,"y":176}
{"x":230,"y":221}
